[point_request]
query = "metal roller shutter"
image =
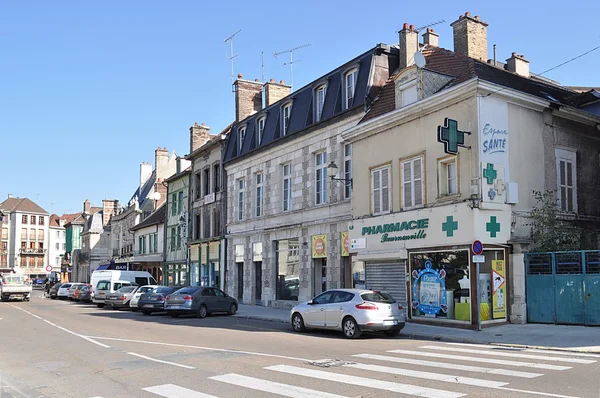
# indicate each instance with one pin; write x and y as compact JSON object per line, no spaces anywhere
{"x":388,"y":277}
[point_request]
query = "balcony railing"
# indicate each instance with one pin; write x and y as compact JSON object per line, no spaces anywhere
{"x":32,"y":251}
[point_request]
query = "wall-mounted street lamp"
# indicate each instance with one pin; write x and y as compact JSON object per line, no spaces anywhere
{"x":332,"y":169}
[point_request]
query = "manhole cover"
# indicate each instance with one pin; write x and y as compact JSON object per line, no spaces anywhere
{"x":329,"y":363}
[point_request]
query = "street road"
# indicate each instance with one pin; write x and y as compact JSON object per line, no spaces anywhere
{"x":57,"y":348}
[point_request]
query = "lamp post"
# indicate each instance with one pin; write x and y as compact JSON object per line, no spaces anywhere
{"x":332,"y":170}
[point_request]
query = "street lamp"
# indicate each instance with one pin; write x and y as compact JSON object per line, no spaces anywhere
{"x":332,"y":169}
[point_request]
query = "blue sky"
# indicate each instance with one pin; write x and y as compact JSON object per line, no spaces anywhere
{"x":90,"y":89}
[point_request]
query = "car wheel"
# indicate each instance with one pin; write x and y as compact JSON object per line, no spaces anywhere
{"x":100,"y":305}
{"x":350,"y":328}
{"x":298,"y":323}
{"x":202,"y":311}
{"x":146,"y":312}
{"x":392,"y":333}
{"x":232,"y":309}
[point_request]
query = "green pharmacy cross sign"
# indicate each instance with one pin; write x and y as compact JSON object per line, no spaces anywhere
{"x":449,"y":226}
{"x":451,"y":136}
{"x":493,"y":227}
{"x":489,"y":173}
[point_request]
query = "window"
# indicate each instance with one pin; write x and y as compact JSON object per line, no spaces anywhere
{"x":140,"y":247}
{"x":288,"y":269}
{"x":144,"y":245}
{"x":58,"y":234}
{"x":566,"y":166}
{"x":217,"y":222}
{"x":198,"y":185}
{"x":5,"y":233}
{"x":285,"y":117}
{"x":41,"y":220}
{"x":412,"y":183}
{"x":173,"y":238}
{"x":409,"y":94}
{"x":180,"y":201}
{"x":23,"y":233}
{"x":174,"y":204}
{"x":155,"y":243}
{"x":348,"y":170}
{"x":350,"y":87}
{"x":206,"y":217}
{"x":197,"y":226}
{"x":217,"y":177}
{"x":151,"y":243}
{"x":324,"y":298}
{"x":32,"y":220}
{"x":178,"y":237}
{"x":287,"y":187}
{"x":57,"y":246}
{"x":381,"y":195}
{"x":64,"y":246}
{"x":23,"y":219}
{"x":448,"y":176}
{"x":259,"y":195}
{"x":260,"y":130}
{"x":32,"y":234}
{"x":241,"y":198}
{"x":241,"y":136}
{"x":206,"y":173}
{"x":319,"y":101}
{"x":321,"y":177}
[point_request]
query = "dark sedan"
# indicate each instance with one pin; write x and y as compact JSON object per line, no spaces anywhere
{"x":54,"y":290}
{"x":200,"y":301}
{"x":154,"y":301}
{"x":85,"y":294}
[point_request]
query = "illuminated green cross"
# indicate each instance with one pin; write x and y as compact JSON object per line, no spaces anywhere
{"x":450,"y":226}
{"x":451,"y":136}
{"x":489,"y":173}
{"x":492,"y":227}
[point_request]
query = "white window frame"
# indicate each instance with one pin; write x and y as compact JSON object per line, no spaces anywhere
{"x":286,"y":185}
{"x":320,"y":93}
{"x":378,"y":187}
{"x":241,"y":137}
{"x":567,"y":157}
{"x":350,"y":90}
{"x":444,"y":177}
{"x":286,"y":114}
{"x":260,"y":129}
{"x":347,"y":171}
{"x":260,"y":188}
{"x":405,"y":88}
{"x":412,"y":183}
{"x":321,"y":178}
{"x":241,"y":202}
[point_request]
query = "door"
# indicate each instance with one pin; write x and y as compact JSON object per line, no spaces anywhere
{"x":592,"y":288}
{"x":314,"y":314}
{"x":209,"y":299}
{"x":320,"y":275}
{"x":258,"y":281}
{"x":240,"y":281}
{"x":387,"y":277}
{"x":335,"y":310}
{"x":222,"y":301}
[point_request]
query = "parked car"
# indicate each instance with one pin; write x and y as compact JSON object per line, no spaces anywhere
{"x":133,"y":304}
{"x":154,"y":301}
{"x":121,"y":298}
{"x":53,"y":293}
{"x":352,"y":311}
{"x":104,"y":288}
{"x":63,"y":291}
{"x":200,"y":301}
{"x":85,"y":294}
{"x":77,"y":291}
{"x":72,"y":289}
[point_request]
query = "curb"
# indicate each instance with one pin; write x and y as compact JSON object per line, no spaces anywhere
{"x":261,"y":318}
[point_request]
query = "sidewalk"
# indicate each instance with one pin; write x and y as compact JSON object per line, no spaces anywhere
{"x":552,"y":337}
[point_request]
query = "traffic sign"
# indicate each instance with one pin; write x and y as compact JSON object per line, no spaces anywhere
{"x":48,"y":268}
{"x":477,"y":247}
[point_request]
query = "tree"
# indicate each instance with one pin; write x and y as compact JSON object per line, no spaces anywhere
{"x":549,"y":230}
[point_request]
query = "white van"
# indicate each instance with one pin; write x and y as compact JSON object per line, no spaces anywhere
{"x":111,"y":281}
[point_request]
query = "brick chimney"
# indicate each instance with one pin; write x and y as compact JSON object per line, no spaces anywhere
{"x":162,"y":190}
{"x":275,"y":91}
{"x":431,"y":38}
{"x":161,"y":162}
{"x":518,"y":64}
{"x":199,"y":135}
{"x":409,"y":45}
{"x":109,"y":208}
{"x":248,"y":98}
{"x":470,"y":37}
{"x":87,"y":207}
{"x":145,"y":172}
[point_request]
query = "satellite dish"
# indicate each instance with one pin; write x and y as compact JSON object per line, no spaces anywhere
{"x":420,"y":59}
{"x":156,"y":196}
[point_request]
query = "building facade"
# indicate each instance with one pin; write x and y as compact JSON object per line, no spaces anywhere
{"x":149,"y":244}
{"x":73,"y":230}
{"x":95,"y":238}
{"x":56,"y":242}
{"x":287,"y":219}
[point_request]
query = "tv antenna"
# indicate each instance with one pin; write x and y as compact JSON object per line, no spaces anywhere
{"x":292,"y":62}
{"x":420,"y":28}
{"x":231,"y":56}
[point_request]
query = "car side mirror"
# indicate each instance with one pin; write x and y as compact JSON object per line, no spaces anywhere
{"x":310,"y":302}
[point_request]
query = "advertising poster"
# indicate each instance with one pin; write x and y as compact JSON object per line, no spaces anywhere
{"x":345,"y":244}
{"x":498,"y":289}
{"x":319,"y":246}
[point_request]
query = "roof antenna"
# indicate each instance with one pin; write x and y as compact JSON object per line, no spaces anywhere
{"x":231,"y":54}
{"x":292,"y":62}
{"x":420,"y":28}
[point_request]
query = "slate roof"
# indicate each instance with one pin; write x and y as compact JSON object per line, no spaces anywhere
{"x":464,"y":68}
{"x":23,"y":205}
{"x":155,"y":218}
{"x":94,"y":223}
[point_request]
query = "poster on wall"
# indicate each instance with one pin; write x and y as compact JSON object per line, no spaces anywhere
{"x":429,"y":290}
{"x":498,"y":289}
{"x":493,"y":133}
{"x":345,"y":244}
{"x":319,"y":246}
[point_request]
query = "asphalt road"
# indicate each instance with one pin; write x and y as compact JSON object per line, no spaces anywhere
{"x":60,"y":349}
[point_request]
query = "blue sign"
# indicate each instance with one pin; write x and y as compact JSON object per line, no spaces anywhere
{"x":429,"y":290}
{"x":477,"y":247}
{"x":120,"y":267}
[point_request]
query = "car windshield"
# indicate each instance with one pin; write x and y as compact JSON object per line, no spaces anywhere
{"x":163,"y":289}
{"x":13,"y":280}
{"x":66,"y":286}
{"x":127,"y":289}
{"x":378,"y":297}
{"x":103,"y":285}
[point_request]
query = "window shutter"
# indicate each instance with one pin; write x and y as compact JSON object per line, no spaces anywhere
{"x":385,"y":190}
{"x":407,"y":184}
{"x":418,"y":181}
{"x":375,"y":177}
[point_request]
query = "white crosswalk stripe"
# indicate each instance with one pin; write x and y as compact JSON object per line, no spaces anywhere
{"x":531,"y":350}
{"x":508,"y":354}
{"x":174,"y":391}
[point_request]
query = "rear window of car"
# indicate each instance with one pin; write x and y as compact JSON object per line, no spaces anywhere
{"x":187,"y":291}
{"x":163,"y":289}
{"x":127,"y":289}
{"x":103,"y":285}
{"x":145,"y":289}
{"x":66,"y":285}
{"x":378,"y":297}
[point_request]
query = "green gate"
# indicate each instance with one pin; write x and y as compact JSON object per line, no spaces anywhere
{"x":563,"y":287}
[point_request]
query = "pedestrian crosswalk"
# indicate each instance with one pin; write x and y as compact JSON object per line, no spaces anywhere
{"x":456,"y":370}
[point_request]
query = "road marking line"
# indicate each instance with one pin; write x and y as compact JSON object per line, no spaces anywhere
{"x":365,"y":382}
{"x":64,"y":329}
{"x":532,"y":350}
{"x":285,"y":390}
{"x":199,"y":348}
{"x":483,"y":360}
{"x":546,"y":394}
{"x":467,"y":368}
{"x":173,"y":391}
{"x":508,"y":354}
{"x":428,"y":375}
{"x":160,"y":361}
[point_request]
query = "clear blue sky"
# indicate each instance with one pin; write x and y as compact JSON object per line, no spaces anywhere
{"x":89,"y":89}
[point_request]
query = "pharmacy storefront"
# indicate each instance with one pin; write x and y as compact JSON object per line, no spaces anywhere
{"x":424,"y":258}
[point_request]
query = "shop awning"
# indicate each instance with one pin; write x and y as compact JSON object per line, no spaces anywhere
{"x":103,"y":267}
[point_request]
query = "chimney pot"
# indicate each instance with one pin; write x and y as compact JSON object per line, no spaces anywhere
{"x":281,"y":82}
{"x":477,"y":17}
{"x":255,"y":80}
{"x":405,"y":26}
{"x":514,"y":54}
{"x":467,"y":14}
{"x":201,"y":124}
{"x":239,"y":76}
{"x":412,"y":27}
{"x":272,"y":81}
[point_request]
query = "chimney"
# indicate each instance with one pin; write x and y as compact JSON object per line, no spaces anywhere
{"x":10,"y":196}
{"x":145,"y":173}
{"x":518,"y":64}
{"x":161,"y":162}
{"x":109,"y":208}
{"x":162,"y":190}
{"x":470,"y":37}
{"x":409,"y":45}
{"x":199,"y":135}
{"x":431,"y":38}
{"x":87,"y":207}
{"x":276,"y":91}
{"x":248,"y":98}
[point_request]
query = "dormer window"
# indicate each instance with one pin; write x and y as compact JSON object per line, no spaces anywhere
{"x":286,"y":112}
{"x":241,"y":136}
{"x":319,"y":101}
{"x":350,"y":86}
{"x":260,"y":129}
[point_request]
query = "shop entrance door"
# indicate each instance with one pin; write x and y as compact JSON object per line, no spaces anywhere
{"x":320,"y":276}
{"x":258,"y":284}
{"x":240,"y":281}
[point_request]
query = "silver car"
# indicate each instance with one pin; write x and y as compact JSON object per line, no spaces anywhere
{"x":352,"y":311}
{"x":121,"y":298}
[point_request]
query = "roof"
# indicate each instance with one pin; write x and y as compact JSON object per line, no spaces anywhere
{"x":157,"y":217}
{"x":214,"y":138}
{"x":180,"y":174}
{"x":23,"y":205}
{"x":68,"y":219}
{"x":464,"y":68}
